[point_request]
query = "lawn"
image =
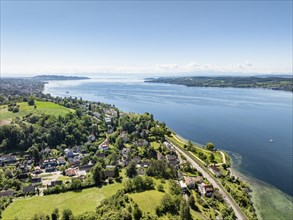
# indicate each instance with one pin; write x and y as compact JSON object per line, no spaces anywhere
{"x":155,"y":145}
{"x":148,"y":200}
{"x":42,"y":108}
{"x":78,"y":202}
{"x":217,"y":155}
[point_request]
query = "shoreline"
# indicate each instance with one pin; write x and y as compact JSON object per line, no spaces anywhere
{"x":261,"y":193}
{"x":281,"y":207}
{"x":257,"y":186}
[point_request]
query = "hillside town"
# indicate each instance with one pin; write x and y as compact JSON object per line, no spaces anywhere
{"x":96,"y":144}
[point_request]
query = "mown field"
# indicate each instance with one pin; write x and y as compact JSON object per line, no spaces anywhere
{"x":78,"y":202}
{"x":148,"y":200}
{"x":42,"y":108}
{"x":217,"y":155}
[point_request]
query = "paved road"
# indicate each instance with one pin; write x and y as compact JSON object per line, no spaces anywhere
{"x":238,"y":212}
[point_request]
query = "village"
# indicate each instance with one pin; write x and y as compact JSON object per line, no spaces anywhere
{"x":95,"y":144}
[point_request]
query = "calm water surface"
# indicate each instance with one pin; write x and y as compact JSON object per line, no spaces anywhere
{"x":241,"y":121}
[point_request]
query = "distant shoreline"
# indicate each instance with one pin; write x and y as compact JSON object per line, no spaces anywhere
{"x":59,"y":77}
{"x":273,"y":83}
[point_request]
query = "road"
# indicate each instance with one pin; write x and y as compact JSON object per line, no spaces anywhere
{"x":182,"y":142}
{"x":238,"y":212}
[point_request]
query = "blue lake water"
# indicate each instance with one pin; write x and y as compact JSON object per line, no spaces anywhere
{"x":241,"y":121}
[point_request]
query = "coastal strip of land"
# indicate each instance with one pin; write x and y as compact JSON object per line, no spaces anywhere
{"x":197,"y":164}
{"x":274,"y":83}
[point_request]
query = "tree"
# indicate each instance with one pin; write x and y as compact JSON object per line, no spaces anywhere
{"x":55,"y":214}
{"x":78,"y":112}
{"x":76,"y":184}
{"x":67,"y":214}
{"x":184,"y":211}
{"x":119,"y":142}
{"x":98,"y":174}
{"x":131,"y":169}
{"x":210,"y":146}
{"x":174,"y":188}
{"x":137,"y":213}
{"x":31,"y":101}
{"x":212,"y":157}
{"x":15,"y":109}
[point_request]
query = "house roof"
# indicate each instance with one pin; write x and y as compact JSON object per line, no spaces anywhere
{"x":57,"y":182}
{"x":198,"y":179}
{"x":109,"y":173}
{"x":70,"y":172}
{"x":28,"y":189}
{"x":214,"y":168}
{"x":9,"y":192}
{"x":188,"y":180}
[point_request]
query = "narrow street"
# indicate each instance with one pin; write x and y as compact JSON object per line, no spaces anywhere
{"x":238,"y":212}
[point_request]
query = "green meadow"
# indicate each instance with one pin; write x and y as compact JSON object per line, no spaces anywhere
{"x":78,"y":202}
{"x":42,"y":108}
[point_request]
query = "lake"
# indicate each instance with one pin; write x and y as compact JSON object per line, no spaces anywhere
{"x":254,"y":125}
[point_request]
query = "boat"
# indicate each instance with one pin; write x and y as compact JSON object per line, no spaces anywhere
{"x":271,"y":140}
{"x":67,"y":92}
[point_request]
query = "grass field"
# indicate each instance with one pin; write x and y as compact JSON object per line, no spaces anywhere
{"x":148,"y":200}
{"x":78,"y":202}
{"x":42,"y":108}
{"x":217,"y":155}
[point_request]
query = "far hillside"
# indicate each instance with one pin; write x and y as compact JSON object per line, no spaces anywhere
{"x":41,"y":108}
{"x":59,"y":77}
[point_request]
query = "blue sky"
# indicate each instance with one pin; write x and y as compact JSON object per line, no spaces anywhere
{"x":146,"y":37}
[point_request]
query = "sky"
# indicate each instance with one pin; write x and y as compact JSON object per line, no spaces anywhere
{"x":157,"y":37}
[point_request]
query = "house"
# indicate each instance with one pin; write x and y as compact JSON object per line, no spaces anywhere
{"x":124,"y":136}
{"x":108,"y":120}
{"x":36,"y":180}
{"x":183,"y":186}
{"x":50,"y":169}
{"x":96,"y":114}
{"x":145,"y":164}
{"x":160,"y":156}
{"x":56,"y":183}
{"x":206,"y":189}
{"x":123,"y":162}
{"x":215,"y":170}
{"x":61,"y":161}
{"x":189,"y":182}
{"x":110,"y":131}
{"x":76,"y":150}
{"x":125,"y":152}
{"x":51,"y":162}
{"x":198,"y":179}
{"x":70,"y":172}
{"x":46,"y":151}
{"x":92,"y":138}
{"x":141,"y":143}
{"x":167,"y":144}
{"x":105,"y":145}
{"x":86,"y":168}
{"x":68,"y":153}
{"x":74,"y":162}
{"x":81,"y":173}
{"x":109,"y":171}
{"x":28,"y":189}
{"x":136,"y":159}
{"x":22,"y":176}
{"x":172,"y":159}
{"x":9,"y":192}
{"x":7,"y":159}
{"x":100,"y":155}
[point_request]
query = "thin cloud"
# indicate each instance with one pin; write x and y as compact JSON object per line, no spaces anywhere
{"x":169,"y":68}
